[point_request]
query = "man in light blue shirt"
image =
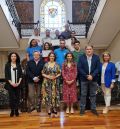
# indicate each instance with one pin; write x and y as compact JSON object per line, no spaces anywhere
{"x":60,"y":53}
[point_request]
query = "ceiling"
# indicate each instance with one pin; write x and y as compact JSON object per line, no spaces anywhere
{"x":108,"y":25}
{"x":8,"y":32}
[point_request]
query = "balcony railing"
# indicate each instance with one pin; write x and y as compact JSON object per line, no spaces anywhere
{"x":91,"y":14}
{"x":82,"y":28}
{"x":26,"y":29}
{"x":13,"y":12}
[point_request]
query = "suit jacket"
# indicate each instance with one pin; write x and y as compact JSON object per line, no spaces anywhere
{"x":34,"y":70}
{"x":83,"y":69}
{"x":8,"y":73}
{"x":109,"y":75}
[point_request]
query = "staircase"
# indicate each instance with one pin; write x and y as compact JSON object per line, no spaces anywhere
{"x":9,"y":21}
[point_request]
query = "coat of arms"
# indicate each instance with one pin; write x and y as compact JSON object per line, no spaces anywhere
{"x":53,"y":12}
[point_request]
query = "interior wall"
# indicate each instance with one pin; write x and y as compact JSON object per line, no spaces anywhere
{"x":114,"y":48}
{"x":3,"y":60}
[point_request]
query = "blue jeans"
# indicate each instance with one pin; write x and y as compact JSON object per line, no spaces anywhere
{"x":92,"y":89}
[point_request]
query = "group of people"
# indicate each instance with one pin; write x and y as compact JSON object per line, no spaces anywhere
{"x":49,"y":72}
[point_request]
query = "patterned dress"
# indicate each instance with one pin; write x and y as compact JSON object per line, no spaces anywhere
{"x":69,"y":91}
{"x":51,"y":97}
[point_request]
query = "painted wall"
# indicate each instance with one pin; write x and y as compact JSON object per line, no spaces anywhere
{"x":114,"y":48}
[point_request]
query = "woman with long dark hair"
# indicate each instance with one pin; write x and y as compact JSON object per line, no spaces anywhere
{"x":13,"y":76}
{"x":33,"y":46}
{"x":51,"y":97}
{"x":47,"y":48}
{"x":69,"y":73}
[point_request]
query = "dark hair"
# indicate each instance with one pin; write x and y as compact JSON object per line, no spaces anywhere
{"x":68,"y":54}
{"x":62,"y":40}
{"x":50,"y":54}
{"x":36,"y":29}
{"x":31,"y":43}
{"x":47,"y":30}
{"x":17,"y":57}
{"x":89,"y":46}
{"x":61,"y":37}
{"x":73,"y":32}
{"x":48,"y":45}
{"x":74,"y":39}
{"x":77,"y":42}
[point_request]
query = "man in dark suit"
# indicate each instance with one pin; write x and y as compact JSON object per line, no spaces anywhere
{"x":88,"y":69}
{"x":34,"y":69}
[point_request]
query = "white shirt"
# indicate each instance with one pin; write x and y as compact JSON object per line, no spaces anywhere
{"x":47,"y":39}
{"x":89,"y":58}
{"x":13,"y":78}
{"x":103,"y":73}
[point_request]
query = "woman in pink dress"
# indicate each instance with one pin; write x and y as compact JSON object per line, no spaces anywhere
{"x":69,"y":73}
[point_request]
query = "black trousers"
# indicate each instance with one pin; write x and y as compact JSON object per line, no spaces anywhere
{"x":14,"y":97}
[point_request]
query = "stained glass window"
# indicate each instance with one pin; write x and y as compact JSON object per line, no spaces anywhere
{"x":52,"y":15}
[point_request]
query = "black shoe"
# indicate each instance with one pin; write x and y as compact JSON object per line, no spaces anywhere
{"x":82,"y":112}
{"x":54,"y":111}
{"x":12,"y":113}
{"x":38,"y":110}
{"x":16,"y":112}
{"x":49,"y":114}
{"x":95,"y":112}
{"x":30,"y":110}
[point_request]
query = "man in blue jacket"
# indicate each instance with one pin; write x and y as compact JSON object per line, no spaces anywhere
{"x":88,"y":69}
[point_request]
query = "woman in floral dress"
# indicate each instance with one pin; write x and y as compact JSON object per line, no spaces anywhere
{"x":51,"y":72}
{"x":69,"y":73}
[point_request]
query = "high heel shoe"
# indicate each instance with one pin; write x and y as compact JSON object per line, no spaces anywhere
{"x":12,"y":113}
{"x":54,"y":112}
{"x":16,"y":112}
{"x":67,"y":110}
{"x":72,"y":111}
{"x":49,"y":112}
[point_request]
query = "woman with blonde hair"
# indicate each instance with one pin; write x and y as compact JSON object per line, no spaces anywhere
{"x":107,"y":79}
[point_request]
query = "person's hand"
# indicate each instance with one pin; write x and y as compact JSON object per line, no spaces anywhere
{"x":89,"y":77}
{"x":13,"y":84}
{"x":53,"y":77}
{"x":112,"y":86}
{"x":69,"y":82}
{"x":48,"y":76}
{"x":17,"y":84}
{"x":36,"y":79}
